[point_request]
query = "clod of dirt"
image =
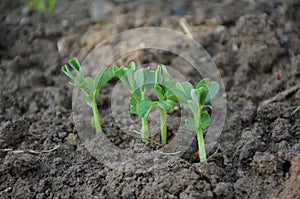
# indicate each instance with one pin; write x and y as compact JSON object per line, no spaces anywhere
{"x":20,"y":164}
{"x":12,"y":133}
{"x":281,"y":130}
{"x":264,"y":163}
{"x":272,"y":111}
{"x":249,"y":143}
{"x":292,"y":185}
{"x":224,"y":190}
{"x":258,"y":43}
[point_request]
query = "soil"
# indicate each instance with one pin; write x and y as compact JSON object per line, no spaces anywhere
{"x":257,"y":53}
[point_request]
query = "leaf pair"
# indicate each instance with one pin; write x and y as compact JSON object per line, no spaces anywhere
{"x":163,"y":84}
{"x":89,"y":85}
{"x":144,"y":107}
{"x":191,"y":124}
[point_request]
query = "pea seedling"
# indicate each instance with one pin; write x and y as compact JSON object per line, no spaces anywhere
{"x":138,"y":83}
{"x":203,"y":93}
{"x":89,"y":86}
{"x":166,"y":98}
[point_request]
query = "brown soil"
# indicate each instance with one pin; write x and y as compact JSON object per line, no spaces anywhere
{"x":258,"y":151}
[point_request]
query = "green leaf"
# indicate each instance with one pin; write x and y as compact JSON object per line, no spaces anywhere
{"x":131,"y":65}
{"x":88,"y":86}
{"x":167,"y":105}
{"x":203,"y":91}
{"x":203,"y":83}
{"x":194,"y":108}
{"x":182,"y":90}
{"x":158,"y":75}
{"x":38,"y":4}
{"x":144,"y":107}
{"x":128,"y":80}
{"x":166,"y":75}
{"x":66,"y":70}
{"x":170,"y":95}
{"x":132,"y":102}
{"x":162,"y":75}
{"x":75,"y":64}
{"x":51,"y":6}
{"x":139,"y":78}
{"x":149,"y":80}
{"x":296,"y":110}
{"x":103,"y":77}
{"x":119,"y":71}
{"x":159,"y":90}
{"x":205,"y":120}
{"x":213,"y":88}
{"x":126,"y":75}
{"x":195,"y":94}
{"x":191,"y":124}
{"x":144,"y":79}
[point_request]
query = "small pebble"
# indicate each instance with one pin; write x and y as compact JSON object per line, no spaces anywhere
{"x":58,"y":161}
{"x":26,"y":11}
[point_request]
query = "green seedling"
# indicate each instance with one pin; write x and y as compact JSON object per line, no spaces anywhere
{"x":138,"y":83}
{"x":203,"y":93}
{"x":43,"y":5}
{"x":166,"y":98}
{"x":89,"y":86}
{"x":296,"y":110}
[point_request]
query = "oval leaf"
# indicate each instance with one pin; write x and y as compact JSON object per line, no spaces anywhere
{"x":190,"y":124}
{"x":74,"y":63}
{"x":144,"y":107}
{"x":205,"y":120}
{"x":103,"y":77}
{"x":195,"y":94}
{"x":213,"y":88}
{"x":203,"y":83}
{"x":194,"y":108}
{"x":167,"y":105}
{"x":203,"y":91}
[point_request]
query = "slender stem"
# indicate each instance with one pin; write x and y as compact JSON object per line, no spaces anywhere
{"x":163,"y":126}
{"x":96,"y":117}
{"x":145,"y":131}
{"x":201,"y":146}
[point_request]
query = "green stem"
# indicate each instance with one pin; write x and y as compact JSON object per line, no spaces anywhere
{"x":201,"y":146}
{"x":96,"y":117}
{"x":145,"y":131}
{"x":163,"y":126}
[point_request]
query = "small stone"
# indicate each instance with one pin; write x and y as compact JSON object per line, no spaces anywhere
{"x":62,"y":134}
{"x":99,"y":9}
{"x":26,"y":11}
{"x":58,"y":161}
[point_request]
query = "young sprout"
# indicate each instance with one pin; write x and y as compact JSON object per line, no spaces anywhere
{"x":203,"y":93}
{"x":138,"y":83}
{"x":89,"y":86}
{"x":166,"y":98}
{"x":296,"y":110}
